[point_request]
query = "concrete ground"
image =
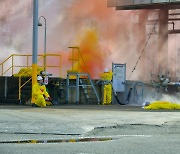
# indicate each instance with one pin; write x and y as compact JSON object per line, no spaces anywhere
{"x":88,"y":129}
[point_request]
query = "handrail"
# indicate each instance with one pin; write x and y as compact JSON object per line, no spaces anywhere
{"x":2,"y":73}
{"x":21,"y":86}
{"x":6,"y":71}
{"x":20,"y":76}
{"x":83,"y":61}
{"x":2,"y":64}
{"x":6,"y":59}
{"x":73,"y":59}
{"x":78,"y":57}
{"x":12,"y":66}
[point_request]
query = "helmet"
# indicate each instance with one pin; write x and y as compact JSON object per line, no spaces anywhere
{"x":39,"y":78}
{"x":106,"y":70}
{"x":146,"y":104}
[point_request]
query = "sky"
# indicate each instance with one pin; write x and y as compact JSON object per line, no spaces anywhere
{"x":104,"y":35}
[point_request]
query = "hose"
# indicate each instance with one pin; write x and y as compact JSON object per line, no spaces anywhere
{"x":129,"y":95}
{"x":102,"y":82}
{"x":116,"y":97}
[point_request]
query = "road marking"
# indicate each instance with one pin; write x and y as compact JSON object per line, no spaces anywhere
{"x":135,"y":135}
{"x":57,"y":140}
{"x":81,"y":139}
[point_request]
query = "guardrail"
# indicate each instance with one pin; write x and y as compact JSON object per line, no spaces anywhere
{"x":9,"y":64}
{"x":27,"y":65}
{"x":75,"y":60}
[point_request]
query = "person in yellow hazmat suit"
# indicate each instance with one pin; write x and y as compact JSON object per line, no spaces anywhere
{"x":156,"y":105}
{"x":106,"y":77}
{"x":40,"y":94}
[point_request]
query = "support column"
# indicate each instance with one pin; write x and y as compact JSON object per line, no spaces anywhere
{"x":143,"y":15}
{"x":35,"y":43}
{"x":77,"y":88}
{"x":162,"y":53}
{"x":67,"y":89}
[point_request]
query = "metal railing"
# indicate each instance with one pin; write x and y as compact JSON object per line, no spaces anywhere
{"x":20,"y":80}
{"x":10,"y":61}
{"x":75,"y":59}
{"x":27,"y":65}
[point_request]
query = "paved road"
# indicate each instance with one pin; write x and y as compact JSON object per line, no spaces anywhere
{"x":88,"y":130}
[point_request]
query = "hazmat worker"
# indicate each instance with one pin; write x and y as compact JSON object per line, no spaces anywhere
{"x":40,"y":94}
{"x":106,"y":77}
{"x":156,"y":105}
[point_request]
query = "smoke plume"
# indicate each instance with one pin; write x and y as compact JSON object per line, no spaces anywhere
{"x":104,"y":35}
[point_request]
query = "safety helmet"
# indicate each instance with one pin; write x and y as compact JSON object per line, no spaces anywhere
{"x":106,"y":70}
{"x":39,"y":78}
{"x":146,"y":103}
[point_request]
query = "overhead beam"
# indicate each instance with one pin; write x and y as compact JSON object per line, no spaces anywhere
{"x":175,"y":31}
{"x":150,"y":7}
{"x":174,"y":14}
{"x":174,"y":19}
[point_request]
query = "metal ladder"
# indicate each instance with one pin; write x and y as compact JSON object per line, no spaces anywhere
{"x":81,"y":82}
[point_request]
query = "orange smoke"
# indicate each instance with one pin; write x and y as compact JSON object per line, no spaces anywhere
{"x":91,"y":20}
{"x":103,"y":34}
{"x":91,"y":58}
{"x":91,"y":8}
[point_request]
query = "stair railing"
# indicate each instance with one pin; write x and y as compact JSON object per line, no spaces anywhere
{"x":12,"y":65}
{"x":76,"y":59}
{"x":41,"y":57}
{"x":20,"y":80}
{"x":2,"y":65}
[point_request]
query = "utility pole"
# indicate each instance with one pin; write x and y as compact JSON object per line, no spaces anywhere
{"x":35,"y":41}
{"x":40,"y":24}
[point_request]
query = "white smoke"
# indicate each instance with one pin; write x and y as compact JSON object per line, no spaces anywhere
{"x":116,"y":32}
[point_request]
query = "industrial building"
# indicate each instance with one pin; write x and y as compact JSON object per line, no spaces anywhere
{"x":156,"y":30}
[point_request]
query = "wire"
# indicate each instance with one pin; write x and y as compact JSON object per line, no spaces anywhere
{"x":143,"y":49}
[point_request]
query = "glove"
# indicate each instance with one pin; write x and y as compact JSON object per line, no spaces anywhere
{"x":48,"y":98}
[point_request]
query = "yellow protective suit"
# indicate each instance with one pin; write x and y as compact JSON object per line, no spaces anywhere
{"x":39,"y":93}
{"x":162,"y":105}
{"x":107,"y":76}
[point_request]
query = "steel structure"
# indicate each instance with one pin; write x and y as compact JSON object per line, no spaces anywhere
{"x":167,"y":14}
{"x":143,"y":4}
